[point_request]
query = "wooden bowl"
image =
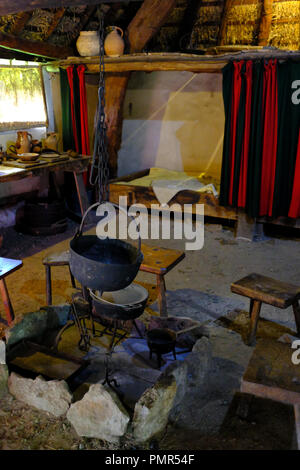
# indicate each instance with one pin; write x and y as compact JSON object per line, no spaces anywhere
{"x":28,"y":157}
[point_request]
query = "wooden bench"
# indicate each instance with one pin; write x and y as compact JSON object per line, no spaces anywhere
{"x":261,"y":289}
{"x":7,"y":266}
{"x":271,"y":374}
{"x":157,"y":260}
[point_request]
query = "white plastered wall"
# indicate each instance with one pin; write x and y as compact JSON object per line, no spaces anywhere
{"x":173,"y":120}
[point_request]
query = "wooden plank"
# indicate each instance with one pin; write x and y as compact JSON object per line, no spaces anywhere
{"x":42,"y":49}
{"x":146,"y":196}
{"x":271,"y":373}
{"x":8,"y":7}
{"x":267,"y":290}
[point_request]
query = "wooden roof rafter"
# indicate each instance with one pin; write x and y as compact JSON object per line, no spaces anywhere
{"x":42,"y":49}
{"x":21,"y":22}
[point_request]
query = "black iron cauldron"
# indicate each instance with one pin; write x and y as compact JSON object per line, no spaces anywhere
{"x":103,"y":264}
{"x":124,"y":304}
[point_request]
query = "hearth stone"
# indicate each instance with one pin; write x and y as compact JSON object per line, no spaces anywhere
{"x":36,"y":325}
{"x":52,"y":396}
{"x":100,"y":414}
{"x":152,"y":410}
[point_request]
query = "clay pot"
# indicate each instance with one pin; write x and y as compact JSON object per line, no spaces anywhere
{"x":51,"y":142}
{"x":23,"y":142}
{"x":88,"y":43}
{"x":114,"y":43}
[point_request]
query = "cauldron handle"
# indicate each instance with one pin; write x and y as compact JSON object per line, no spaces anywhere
{"x":96,"y":204}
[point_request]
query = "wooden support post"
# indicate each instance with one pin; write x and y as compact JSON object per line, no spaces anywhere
{"x":161,"y":295}
{"x":149,"y":18}
{"x":222,"y":31}
{"x":254,"y":316}
{"x":265,"y":23}
{"x":6,"y":301}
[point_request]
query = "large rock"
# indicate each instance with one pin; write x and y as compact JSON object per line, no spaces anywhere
{"x":3,"y":380}
{"x":178,"y":370}
{"x":99,"y":414}
{"x":52,"y":396}
{"x":199,"y":362}
{"x":152,"y":410}
{"x":35,"y":326}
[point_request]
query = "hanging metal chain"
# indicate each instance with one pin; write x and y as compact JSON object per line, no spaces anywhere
{"x":99,"y":170}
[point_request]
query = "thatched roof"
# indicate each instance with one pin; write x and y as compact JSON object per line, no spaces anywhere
{"x":194,"y":25}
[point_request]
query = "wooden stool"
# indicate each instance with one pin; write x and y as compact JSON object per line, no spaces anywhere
{"x":271,"y":374}
{"x":262,"y":289}
{"x":158,"y":261}
{"x":7,"y":266}
{"x":55,"y":259}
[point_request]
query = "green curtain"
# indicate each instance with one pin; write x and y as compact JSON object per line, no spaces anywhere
{"x":68,"y":140}
{"x":255,"y":144}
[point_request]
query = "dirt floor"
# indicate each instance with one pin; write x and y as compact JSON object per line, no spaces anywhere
{"x":198,"y":287}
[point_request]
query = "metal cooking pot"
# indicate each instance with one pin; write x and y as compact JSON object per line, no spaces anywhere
{"x":124,"y":304}
{"x":104,"y":265}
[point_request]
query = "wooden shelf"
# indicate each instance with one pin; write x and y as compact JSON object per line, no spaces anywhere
{"x":148,"y":63}
{"x":151,"y":62}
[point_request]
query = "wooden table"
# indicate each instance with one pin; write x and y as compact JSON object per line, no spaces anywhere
{"x":7,"y":266}
{"x":77,"y":166}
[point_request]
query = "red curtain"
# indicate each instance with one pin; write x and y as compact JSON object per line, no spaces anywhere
{"x":294,"y":210}
{"x":70,"y":72}
{"x":269,"y":150}
{"x":245,"y":150}
{"x":237,"y":87}
{"x":85,"y":143}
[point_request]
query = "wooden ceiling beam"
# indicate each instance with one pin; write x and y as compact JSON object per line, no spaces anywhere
{"x":9,"y":7}
{"x":42,"y":49}
{"x":147,"y":22}
{"x":19,"y":25}
{"x":265,"y":23}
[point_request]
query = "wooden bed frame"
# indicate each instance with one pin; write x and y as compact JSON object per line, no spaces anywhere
{"x":145,"y":195}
